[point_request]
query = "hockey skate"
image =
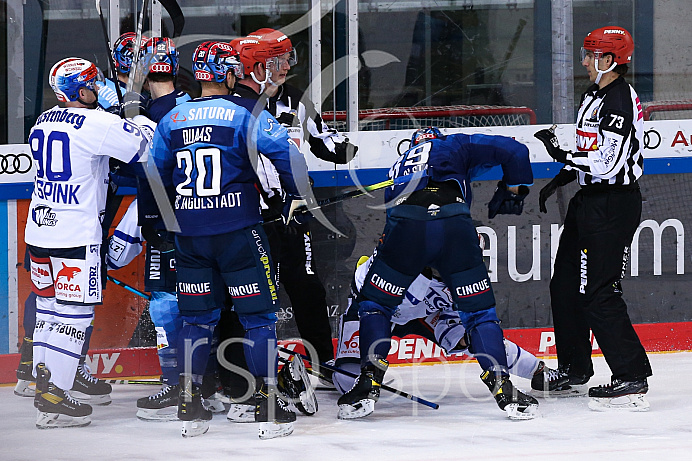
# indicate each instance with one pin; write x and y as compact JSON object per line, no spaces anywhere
{"x":294,"y":382}
{"x":510,"y":399}
{"x":547,"y":382}
{"x":56,"y":408}
{"x":25,"y":378}
{"x":273,"y":414}
{"x":88,"y":389}
{"x":242,"y":411}
{"x":191,"y":412}
{"x":360,"y":400}
{"x":162,"y":406}
{"x":212,"y":398}
{"x":620,"y":395}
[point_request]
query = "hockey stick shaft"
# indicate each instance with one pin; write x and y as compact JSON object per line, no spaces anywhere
{"x":111,"y":66}
{"x":406,"y":395}
{"x":129,"y":288}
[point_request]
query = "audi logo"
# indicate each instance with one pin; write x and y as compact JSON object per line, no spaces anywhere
{"x":15,"y":163}
{"x":650,"y":137}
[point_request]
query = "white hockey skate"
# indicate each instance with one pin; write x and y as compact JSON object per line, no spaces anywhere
{"x":214,"y":403}
{"x":241,"y":413}
{"x":25,"y":388}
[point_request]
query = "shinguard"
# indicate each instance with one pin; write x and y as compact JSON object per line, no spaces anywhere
{"x":260,"y":354}
{"x":487,"y":343}
{"x":375,"y":333}
{"x":194,"y":344}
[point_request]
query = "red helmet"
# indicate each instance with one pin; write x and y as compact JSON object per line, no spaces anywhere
{"x":262,"y":46}
{"x":611,"y":39}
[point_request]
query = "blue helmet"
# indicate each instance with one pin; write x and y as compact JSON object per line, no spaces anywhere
{"x":213,"y":60}
{"x":159,"y":55}
{"x":124,"y":50}
{"x":70,"y":74}
{"x":425,"y":134}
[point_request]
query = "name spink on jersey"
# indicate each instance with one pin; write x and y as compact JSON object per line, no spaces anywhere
{"x":56,"y":192}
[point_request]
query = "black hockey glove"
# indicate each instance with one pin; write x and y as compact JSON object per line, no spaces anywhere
{"x":295,"y":211}
{"x":506,"y":202}
{"x":552,"y":145}
{"x":287,"y":119}
{"x":563,"y":178}
{"x":345,"y":152}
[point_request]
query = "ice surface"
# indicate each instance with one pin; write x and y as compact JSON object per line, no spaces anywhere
{"x":467,"y":426}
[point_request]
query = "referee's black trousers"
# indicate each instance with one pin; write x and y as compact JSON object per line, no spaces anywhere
{"x":585,"y":289}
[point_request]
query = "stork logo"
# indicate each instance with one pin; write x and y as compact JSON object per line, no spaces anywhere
{"x":68,"y":272}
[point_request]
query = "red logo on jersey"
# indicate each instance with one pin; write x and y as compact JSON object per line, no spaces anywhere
{"x":586,"y":141}
{"x":68,"y":272}
{"x":178,"y":118}
{"x":352,"y":342}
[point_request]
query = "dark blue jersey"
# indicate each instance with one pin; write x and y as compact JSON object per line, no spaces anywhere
{"x":159,"y":107}
{"x":461,"y":158}
{"x":206,"y":147}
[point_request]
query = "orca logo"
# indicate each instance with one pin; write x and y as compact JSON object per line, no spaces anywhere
{"x":68,"y":272}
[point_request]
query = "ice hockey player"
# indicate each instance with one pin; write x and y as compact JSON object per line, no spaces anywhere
{"x":267,"y":56}
{"x":602,"y":217}
{"x":160,"y":60}
{"x":427,"y":310}
{"x":429,"y":224}
{"x":64,"y":232}
{"x":205,"y":150}
{"x":122,"y":54}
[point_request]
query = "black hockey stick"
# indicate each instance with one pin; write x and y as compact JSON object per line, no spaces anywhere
{"x":406,"y":395}
{"x":176,"y":15}
{"x":129,"y":288}
{"x":133,"y":381}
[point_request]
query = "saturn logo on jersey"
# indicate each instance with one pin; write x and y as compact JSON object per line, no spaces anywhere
{"x":386,"y":287}
{"x":43,"y":215}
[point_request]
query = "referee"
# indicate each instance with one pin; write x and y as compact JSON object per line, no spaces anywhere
{"x":601,"y":220}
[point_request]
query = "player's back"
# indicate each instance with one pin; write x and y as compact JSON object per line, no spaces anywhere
{"x":207,"y":159}
{"x":71,"y":148}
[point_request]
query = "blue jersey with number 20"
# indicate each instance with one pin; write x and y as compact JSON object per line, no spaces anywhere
{"x":205,"y":149}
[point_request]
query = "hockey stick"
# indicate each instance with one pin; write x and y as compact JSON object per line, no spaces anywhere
{"x":176,"y":15}
{"x":406,"y":395}
{"x":133,"y":381}
{"x":114,"y":74}
{"x":129,"y":288}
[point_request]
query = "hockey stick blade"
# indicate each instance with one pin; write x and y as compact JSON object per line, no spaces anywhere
{"x":176,"y":15}
{"x":129,"y":288}
{"x":406,"y":395}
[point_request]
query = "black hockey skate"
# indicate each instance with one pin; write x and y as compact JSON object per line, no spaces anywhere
{"x":162,"y":406}
{"x":191,"y":412}
{"x":294,"y":383}
{"x":25,"y":370}
{"x":56,"y":408}
{"x":360,"y":400}
{"x":620,"y":395}
{"x":212,"y":394}
{"x":510,"y":399}
{"x":548,"y":382}
{"x":273,"y":414}
{"x":88,"y":389}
